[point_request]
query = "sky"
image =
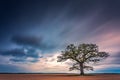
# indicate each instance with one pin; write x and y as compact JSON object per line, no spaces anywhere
{"x":34,"y":32}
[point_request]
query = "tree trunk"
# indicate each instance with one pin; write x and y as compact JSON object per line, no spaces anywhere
{"x":81,"y":69}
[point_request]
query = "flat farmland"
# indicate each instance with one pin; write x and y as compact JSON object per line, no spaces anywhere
{"x":58,"y":77}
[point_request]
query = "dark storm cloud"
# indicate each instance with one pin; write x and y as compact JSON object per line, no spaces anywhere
{"x":20,"y":55}
{"x":32,"y":41}
{"x":32,"y":52}
{"x":27,"y":40}
{"x":21,"y":16}
{"x":14,"y":53}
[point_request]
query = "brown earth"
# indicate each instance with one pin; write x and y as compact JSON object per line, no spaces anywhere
{"x":58,"y":77}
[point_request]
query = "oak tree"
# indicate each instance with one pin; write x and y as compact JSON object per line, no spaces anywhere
{"x":82,"y":55}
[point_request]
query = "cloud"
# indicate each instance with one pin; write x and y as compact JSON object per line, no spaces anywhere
{"x":49,"y":61}
{"x":33,"y":41}
{"x":28,"y":59}
{"x":27,"y":40}
{"x":14,"y":53}
{"x":115,"y":58}
{"x":48,"y":64}
{"x":4,"y":59}
{"x":22,"y":55}
{"x":30,"y":50}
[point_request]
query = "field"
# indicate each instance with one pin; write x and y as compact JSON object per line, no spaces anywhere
{"x":58,"y":77}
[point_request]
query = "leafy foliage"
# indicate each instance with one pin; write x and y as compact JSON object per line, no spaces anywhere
{"x":81,"y":55}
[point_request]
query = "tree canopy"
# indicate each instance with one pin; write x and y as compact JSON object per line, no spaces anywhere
{"x":82,"y":55}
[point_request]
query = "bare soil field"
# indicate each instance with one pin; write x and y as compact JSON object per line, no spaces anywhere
{"x":58,"y":77}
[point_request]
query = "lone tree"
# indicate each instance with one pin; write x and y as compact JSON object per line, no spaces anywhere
{"x":81,"y":56}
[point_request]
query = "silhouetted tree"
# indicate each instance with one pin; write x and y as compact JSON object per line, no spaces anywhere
{"x":81,"y":56}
